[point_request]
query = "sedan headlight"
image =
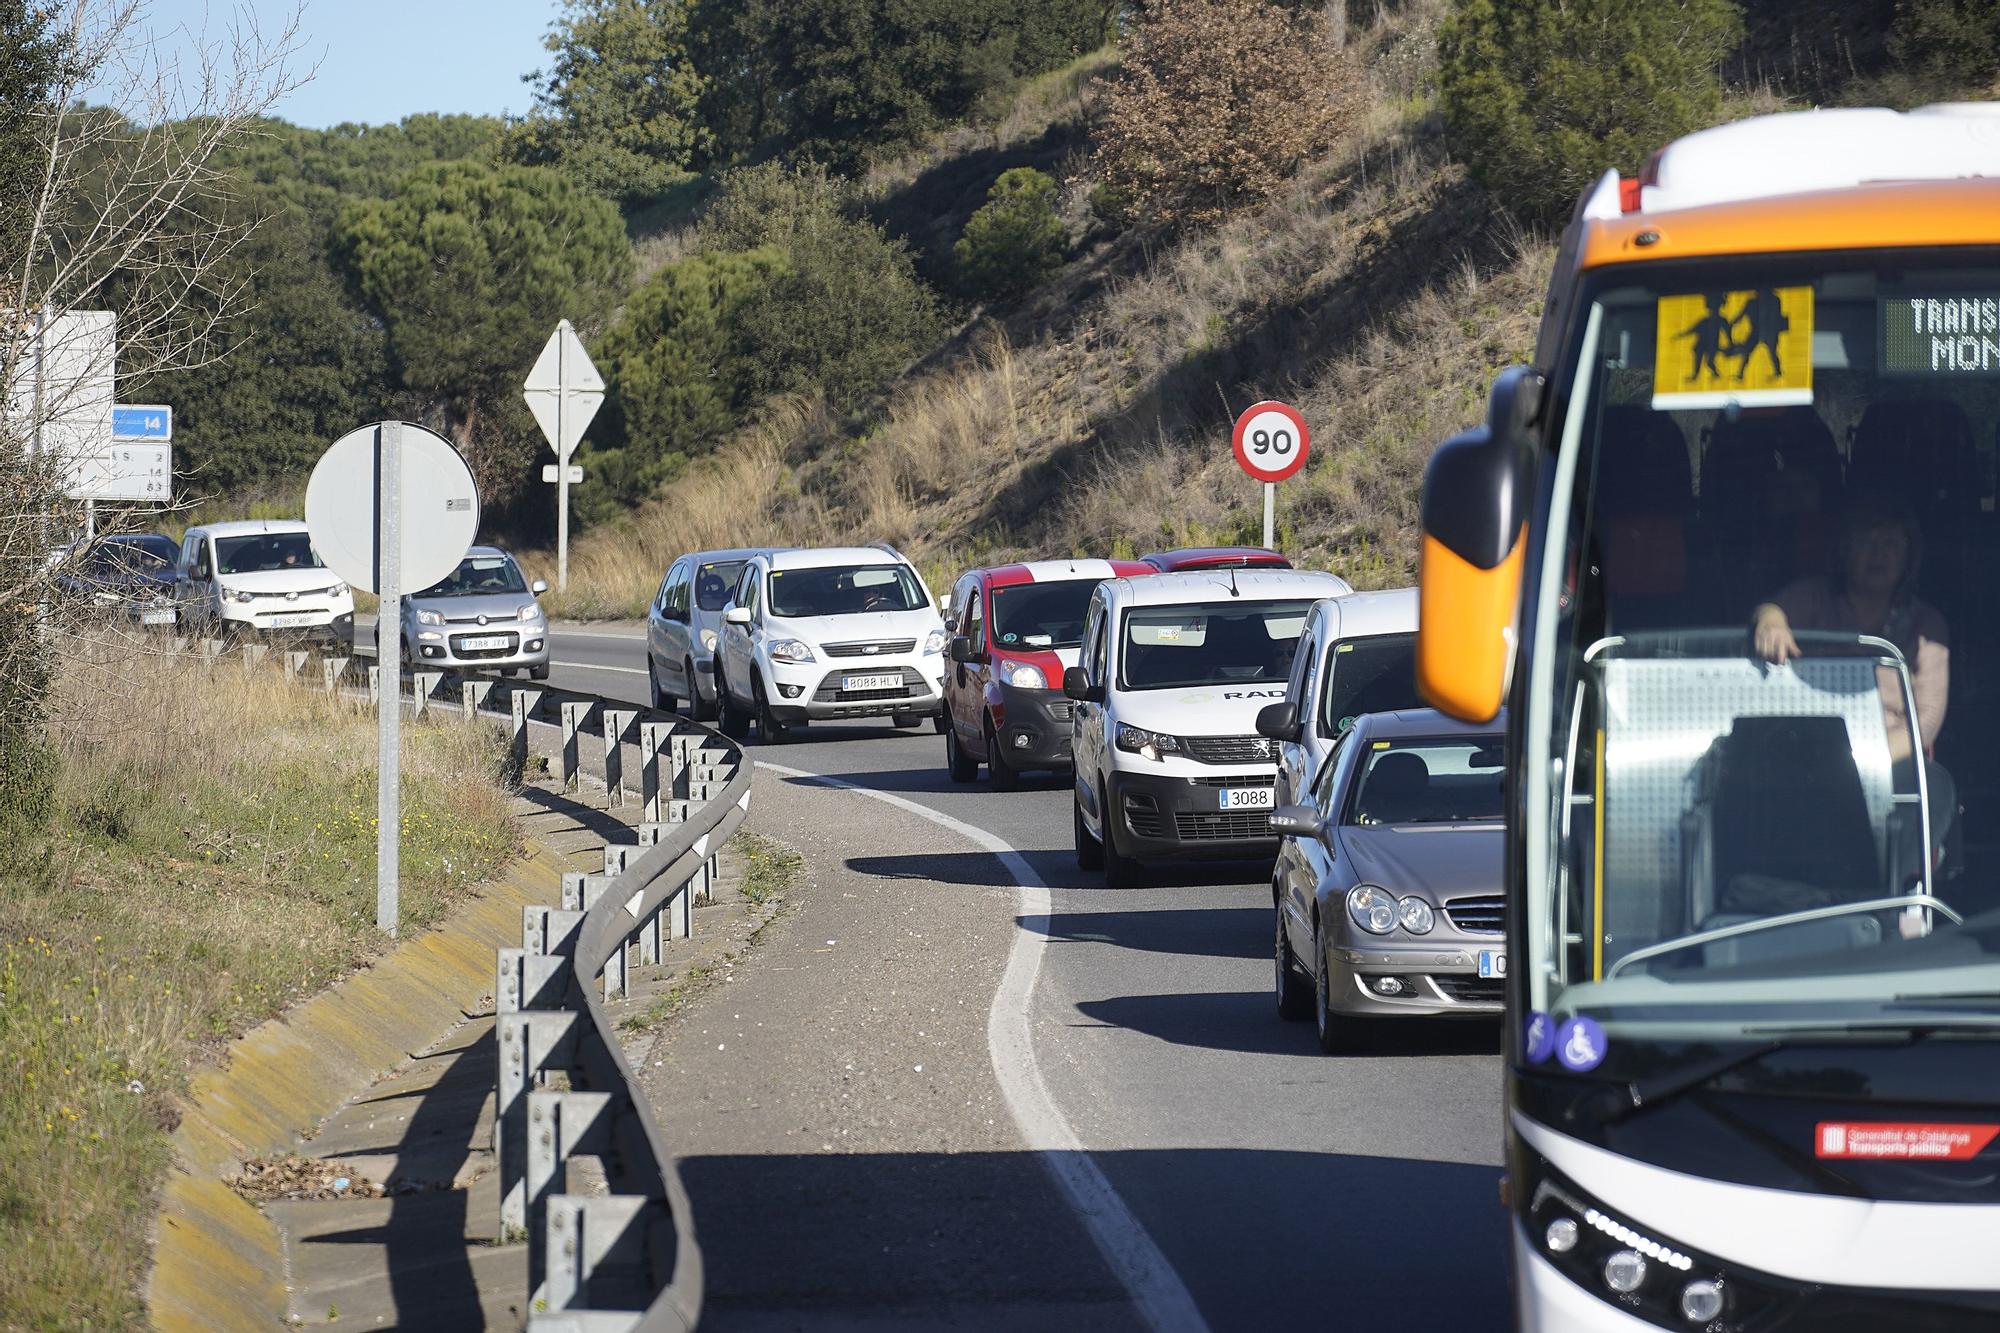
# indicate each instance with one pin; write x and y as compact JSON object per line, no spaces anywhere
{"x":1415,"y":916}
{"x":1024,"y":676}
{"x":934,"y":642}
{"x":240,"y":596}
{"x":791,"y":650}
{"x":430,"y":617}
{"x":1146,"y":744}
{"x":708,"y":640}
{"x":1374,"y":910}
{"x":532,"y":611}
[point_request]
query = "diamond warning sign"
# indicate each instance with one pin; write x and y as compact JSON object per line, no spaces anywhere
{"x":1752,"y":348}
{"x":1898,"y":1141}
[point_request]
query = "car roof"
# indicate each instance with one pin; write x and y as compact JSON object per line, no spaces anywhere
{"x":732,"y":553}
{"x":250,"y":527}
{"x":1191,"y":555}
{"x":1359,"y":614}
{"x":1425,"y":722}
{"x":821,"y":557}
{"x":1061,"y":571}
{"x":1216,"y":585}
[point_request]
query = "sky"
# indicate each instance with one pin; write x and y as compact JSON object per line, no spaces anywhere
{"x":381,"y":60}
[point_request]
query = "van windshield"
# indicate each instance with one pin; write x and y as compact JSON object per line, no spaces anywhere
{"x":265,"y":552}
{"x":1041,"y":615}
{"x":1228,"y":643}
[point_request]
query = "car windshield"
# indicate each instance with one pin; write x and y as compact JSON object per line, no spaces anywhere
{"x":122,"y":556}
{"x":844,"y":590}
{"x":1229,"y":643}
{"x":1374,"y":674}
{"x":1761,"y":769}
{"x":265,"y":552}
{"x":479,"y":576}
{"x":1041,"y":615}
{"x":715,"y":583}
{"x":1436,"y":781}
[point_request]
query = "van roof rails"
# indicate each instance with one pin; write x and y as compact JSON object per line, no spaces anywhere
{"x":884,"y":546}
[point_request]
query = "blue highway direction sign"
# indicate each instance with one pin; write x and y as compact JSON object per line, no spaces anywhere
{"x":149,"y":422}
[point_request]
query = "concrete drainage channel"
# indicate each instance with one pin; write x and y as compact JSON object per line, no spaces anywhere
{"x":566,"y":1098}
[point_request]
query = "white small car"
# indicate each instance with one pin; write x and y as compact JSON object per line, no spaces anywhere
{"x":260,"y":579}
{"x":1357,"y":654}
{"x":829,"y":634}
{"x":1174,"y":670}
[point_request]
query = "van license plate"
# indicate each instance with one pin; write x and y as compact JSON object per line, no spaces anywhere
{"x":881,"y":681}
{"x":481,"y":642}
{"x":1248,"y":798}
{"x":1492,"y":963}
{"x":290,"y":622}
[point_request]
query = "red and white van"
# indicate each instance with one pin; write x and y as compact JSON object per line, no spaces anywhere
{"x":1015,"y":629}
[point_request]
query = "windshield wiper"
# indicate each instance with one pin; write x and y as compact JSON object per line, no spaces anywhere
{"x":1642,"y":1094}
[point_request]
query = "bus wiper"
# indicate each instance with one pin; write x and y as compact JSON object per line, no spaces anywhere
{"x":1641,"y":1094}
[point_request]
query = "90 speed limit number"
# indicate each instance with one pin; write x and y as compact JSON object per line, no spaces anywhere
{"x":1271,"y":441}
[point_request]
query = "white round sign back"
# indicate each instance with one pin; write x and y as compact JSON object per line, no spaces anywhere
{"x":437,"y":512}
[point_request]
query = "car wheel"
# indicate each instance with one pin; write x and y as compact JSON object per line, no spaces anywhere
{"x":999,"y":772}
{"x":698,"y":709}
{"x":1294,"y":999}
{"x":962,"y":766}
{"x":942,"y":721}
{"x":662,"y":700}
{"x":1120,"y":870}
{"x":907,"y":721}
{"x":1338,"y":1034}
{"x":1089,"y":851}
{"x":769,"y":730}
{"x":538,"y":672}
{"x":731,"y":720}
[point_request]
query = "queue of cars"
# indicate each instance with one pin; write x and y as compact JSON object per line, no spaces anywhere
{"x":1206,"y":703}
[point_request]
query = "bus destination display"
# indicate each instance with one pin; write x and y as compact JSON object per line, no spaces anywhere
{"x":1956,"y":334}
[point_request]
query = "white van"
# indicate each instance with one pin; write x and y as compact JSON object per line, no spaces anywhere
{"x":1357,"y":654}
{"x":1174,"y":670}
{"x":259,"y":578}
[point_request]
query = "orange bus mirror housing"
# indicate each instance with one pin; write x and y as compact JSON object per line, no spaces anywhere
{"x":1477,"y":496}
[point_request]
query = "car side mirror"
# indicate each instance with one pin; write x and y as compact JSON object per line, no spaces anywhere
{"x":736,"y":615}
{"x":1477,"y":497}
{"x":1077,"y":686}
{"x":538,"y":587}
{"x":1297,"y":821}
{"x":1279,"y":721}
{"x":961,"y":649}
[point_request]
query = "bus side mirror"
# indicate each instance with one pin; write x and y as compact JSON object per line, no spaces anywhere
{"x":1477,"y":497}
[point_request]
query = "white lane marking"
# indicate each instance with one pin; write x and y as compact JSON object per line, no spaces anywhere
{"x":1156,"y":1289}
{"x":593,"y":666}
{"x":634,"y":636}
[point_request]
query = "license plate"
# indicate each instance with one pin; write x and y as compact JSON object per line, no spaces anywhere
{"x":290,"y":622}
{"x":481,"y":641}
{"x":1492,"y":963}
{"x":165,"y":617}
{"x":1248,"y":798}
{"x":880,"y":681}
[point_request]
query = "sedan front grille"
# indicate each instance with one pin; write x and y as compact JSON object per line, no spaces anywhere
{"x":1485,"y":914}
{"x":876,"y":648}
{"x":1222,"y":825}
{"x":1472,"y":990}
{"x":1229,"y":749}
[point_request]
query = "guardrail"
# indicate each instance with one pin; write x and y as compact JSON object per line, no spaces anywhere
{"x":623,"y":1259}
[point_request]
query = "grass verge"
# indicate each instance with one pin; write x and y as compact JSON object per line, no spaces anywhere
{"x":210,"y":860}
{"x":770,"y":869}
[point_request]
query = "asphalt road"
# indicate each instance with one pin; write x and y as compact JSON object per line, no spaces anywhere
{"x":1277,"y":1184}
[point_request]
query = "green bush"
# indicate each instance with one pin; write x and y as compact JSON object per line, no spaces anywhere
{"x":1015,"y":239}
{"x":1542,"y":96}
{"x":1955,"y":41}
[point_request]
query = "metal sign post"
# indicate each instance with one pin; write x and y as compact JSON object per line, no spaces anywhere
{"x":388,"y":700}
{"x":391,"y":506}
{"x":564,"y":392}
{"x":1270,"y":443}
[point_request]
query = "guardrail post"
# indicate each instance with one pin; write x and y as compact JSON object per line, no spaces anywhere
{"x":683,"y":752}
{"x":559,"y":1124}
{"x":472,"y":696}
{"x":587,"y":1233}
{"x":581,"y":891}
{"x":617,"y":724}
{"x":211,"y":649}
{"x":422,"y":685}
{"x":517,"y":745}
{"x":653,"y":738}
{"x":333,"y":669}
{"x":529,"y":1043}
{"x":526,"y":980}
{"x":547,"y":930}
{"x":375,"y":684}
{"x":295,"y":662}
{"x":253,"y":653}
{"x":575,"y":716}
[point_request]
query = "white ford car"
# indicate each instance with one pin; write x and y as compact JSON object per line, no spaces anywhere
{"x":829,"y":634}
{"x":1174,"y":671}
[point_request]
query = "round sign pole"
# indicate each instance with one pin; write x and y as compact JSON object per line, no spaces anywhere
{"x":1270,"y":442}
{"x":388,"y":701}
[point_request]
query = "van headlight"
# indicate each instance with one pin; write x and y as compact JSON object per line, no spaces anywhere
{"x":1639,"y":1271}
{"x":791,"y":650}
{"x":1373,"y":909}
{"x":241,"y":596}
{"x":1146,"y":744}
{"x":337,"y":590}
{"x":1024,"y":676}
{"x":934,"y":642}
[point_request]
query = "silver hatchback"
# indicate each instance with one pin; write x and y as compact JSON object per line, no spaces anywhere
{"x":483,"y":615}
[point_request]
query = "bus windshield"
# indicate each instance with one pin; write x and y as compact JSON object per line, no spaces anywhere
{"x":1761,"y":765}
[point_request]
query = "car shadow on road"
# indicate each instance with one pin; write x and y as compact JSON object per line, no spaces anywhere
{"x":1214,"y":932}
{"x":1248,"y":1022}
{"x":922,"y":781}
{"x":1261,"y":1239}
{"x":1057,"y":871}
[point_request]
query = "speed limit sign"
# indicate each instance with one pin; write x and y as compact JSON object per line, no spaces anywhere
{"x":1271,"y":441}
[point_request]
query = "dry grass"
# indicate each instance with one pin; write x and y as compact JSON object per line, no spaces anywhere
{"x":211,"y":861}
